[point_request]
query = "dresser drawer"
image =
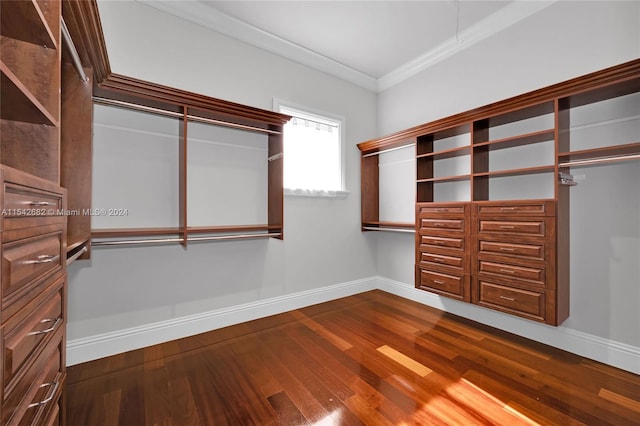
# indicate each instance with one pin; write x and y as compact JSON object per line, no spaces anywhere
{"x":534,"y":251}
{"x":531,"y":273}
{"x":530,"y":304}
{"x":449,"y":285}
{"x":431,"y":210}
{"x":26,"y":334}
{"x":20,"y":201}
{"x":444,"y":242}
{"x":527,"y":227}
{"x":442,"y":224}
{"x":442,"y":259}
{"x":534,"y":208}
{"x":27,"y":260}
{"x":38,"y":390}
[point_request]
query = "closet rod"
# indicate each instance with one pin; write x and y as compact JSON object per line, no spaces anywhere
{"x":194,"y":118}
{"x":112,"y":102}
{"x":73,"y":51}
{"x":599,"y":160}
{"x":234,"y":237}
{"x":388,"y":150}
{"x":372,"y":228}
{"x":134,"y":242}
{"x":228,"y":124}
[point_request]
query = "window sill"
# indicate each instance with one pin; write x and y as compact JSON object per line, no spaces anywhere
{"x":315,"y":193}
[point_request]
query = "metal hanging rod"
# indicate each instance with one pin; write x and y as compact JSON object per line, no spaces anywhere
{"x":193,"y":118}
{"x":599,"y":160}
{"x":180,"y":240}
{"x":372,"y":228}
{"x":123,"y":104}
{"x":388,"y":150}
{"x":234,"y":237}
{"x":135,"y":242}
{"x":73,"y":51}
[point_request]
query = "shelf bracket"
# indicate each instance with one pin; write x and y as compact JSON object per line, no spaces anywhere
{"x":567,"y":179}
{"x":275,"y":157}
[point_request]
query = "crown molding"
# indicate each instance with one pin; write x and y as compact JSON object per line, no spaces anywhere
{"x":209,"y":17}
{"x":492,"y":24}
{"x":213,"y":19}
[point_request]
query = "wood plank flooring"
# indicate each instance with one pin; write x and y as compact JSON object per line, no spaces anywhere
{"x":373,"y":359}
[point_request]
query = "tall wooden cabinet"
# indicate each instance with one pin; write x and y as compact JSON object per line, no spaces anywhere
{"x":33,"y":224}
{"x":493,"y":187}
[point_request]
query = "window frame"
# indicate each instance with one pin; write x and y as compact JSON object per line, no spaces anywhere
{"x":278,"y":105}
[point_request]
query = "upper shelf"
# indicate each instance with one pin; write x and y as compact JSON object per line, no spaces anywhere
{"x":26,"y":20}
{"x":19,"y":103}
{"x":606,"y":154}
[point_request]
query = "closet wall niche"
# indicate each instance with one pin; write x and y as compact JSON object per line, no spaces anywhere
{"x":495,"y":219}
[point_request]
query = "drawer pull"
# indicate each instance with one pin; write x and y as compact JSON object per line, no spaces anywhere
{"x":508,"y":209}
{"x":442,"y":210}
{"x":438,"y":224}
{"x":55,"y":321}
{"x":437,"y":259}
{"x":507,"y":249}
{"x":50,"y":397}
{"x":40,"y":203}
{"x":508,"y":271}
{"x":438,"y":282}
{"x":507,"y":227}
{"x":44,"y":258}
{"x":510,"y":299}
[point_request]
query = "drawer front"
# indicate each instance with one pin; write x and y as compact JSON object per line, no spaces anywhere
{"x":442,"y":259}
{"x":435,"y":210}
{"x":442,"y":224}
{"x":444,"y":242}
{"x":450,"y":285}
{"x":536,"y":208}
{"x":532,"y":227}
{"x":29,"y":335}
{"x":526,"y":303}
{"x":39,"y":389}
{"x":21,"y":201}
{"x":535,"y":251}
{"x":25,"y":261}
{"x":512,"y":271}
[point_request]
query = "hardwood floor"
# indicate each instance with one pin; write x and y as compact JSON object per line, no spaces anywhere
{"x":373,"y":359}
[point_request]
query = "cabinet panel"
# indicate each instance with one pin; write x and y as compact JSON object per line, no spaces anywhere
{"x":455,"y":286}
{"x":536,"y":208}
{"x":442,"y":224}
{"x":534,"y":251}
{"x":27,"y":260}
{"x":532,"y":227}
{"x":513,"y":271}
{"x":445,"y":242}
{"x":27,"y":334}
{"x":530,"y":304}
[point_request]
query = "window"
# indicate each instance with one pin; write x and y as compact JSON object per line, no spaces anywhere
{"x":314,"y":153}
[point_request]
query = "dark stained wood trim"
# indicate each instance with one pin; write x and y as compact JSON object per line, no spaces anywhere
{"x":83,"y":21}
{"x":628,"y":71}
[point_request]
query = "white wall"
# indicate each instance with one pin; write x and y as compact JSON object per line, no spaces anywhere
{"x":123,"y":288}
{"x":566,"y":40}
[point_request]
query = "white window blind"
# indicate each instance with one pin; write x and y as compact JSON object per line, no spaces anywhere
{"x":313,"y":153}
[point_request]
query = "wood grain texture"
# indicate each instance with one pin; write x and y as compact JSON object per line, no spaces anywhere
{"x":373,"y":359}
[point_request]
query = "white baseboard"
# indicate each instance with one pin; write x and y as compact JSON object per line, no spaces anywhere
{"x":610,"y":352}
{"x":607,"y":351}
{"x":102,"y":345}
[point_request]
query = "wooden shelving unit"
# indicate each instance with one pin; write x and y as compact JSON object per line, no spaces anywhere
{"x":511,"y":252}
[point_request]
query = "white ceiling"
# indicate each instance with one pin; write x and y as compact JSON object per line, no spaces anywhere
{"x":375,"y":44}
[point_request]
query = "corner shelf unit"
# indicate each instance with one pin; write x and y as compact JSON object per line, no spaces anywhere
{"x":493,"y":189}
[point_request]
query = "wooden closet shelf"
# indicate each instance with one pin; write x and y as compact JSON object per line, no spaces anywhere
{"x":25,"y":20}
{"x":603,"y":154}
{"x":19,"y":104}
{"x":526,"y":139}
